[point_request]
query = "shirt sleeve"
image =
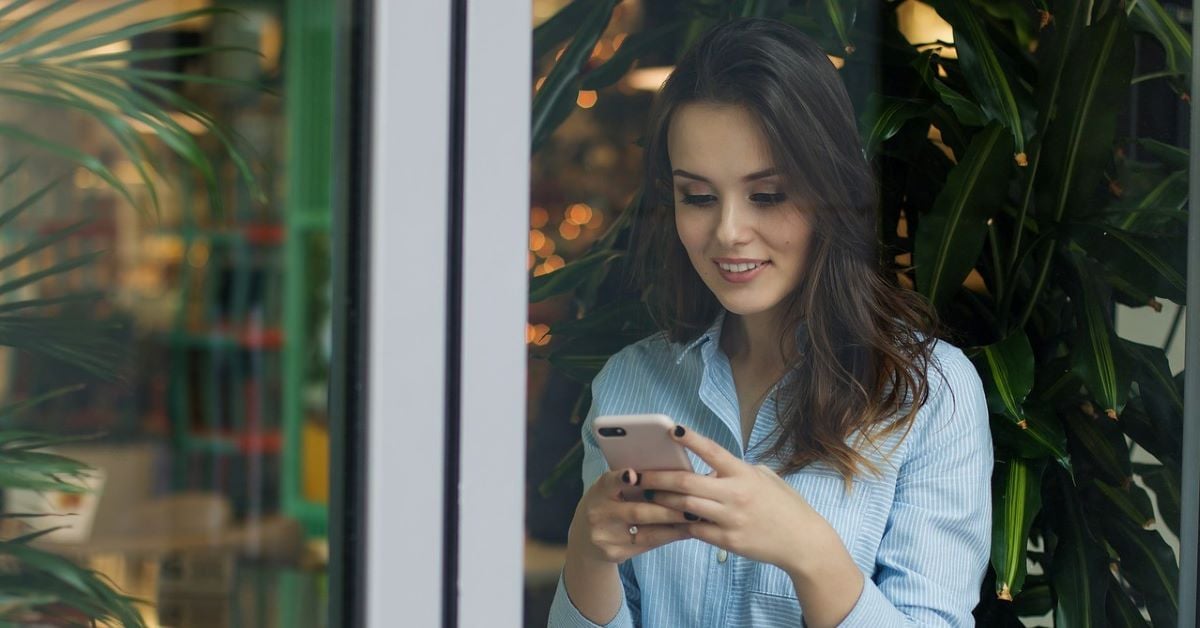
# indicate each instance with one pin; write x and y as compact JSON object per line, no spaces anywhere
{"x":937,"y":543}
{"x":563,"y":613}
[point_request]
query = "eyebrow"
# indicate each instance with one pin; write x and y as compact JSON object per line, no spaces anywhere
{"x":761,"y":174}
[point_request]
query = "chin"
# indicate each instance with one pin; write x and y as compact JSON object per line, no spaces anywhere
{"x":746,"y":307}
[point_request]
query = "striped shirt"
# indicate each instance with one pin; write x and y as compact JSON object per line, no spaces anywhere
{"x":920,"y":532}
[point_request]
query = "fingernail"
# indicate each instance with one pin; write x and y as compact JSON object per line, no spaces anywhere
{"x":679,"y":431}
{"x":649,"y":495}
{"x":625,"y":477}
{"x":690,"y":517}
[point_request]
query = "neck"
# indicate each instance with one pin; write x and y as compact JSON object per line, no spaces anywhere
{"x":753,"y":341}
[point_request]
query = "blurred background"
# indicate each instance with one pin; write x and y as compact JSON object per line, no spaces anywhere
{"x":208,"y":423}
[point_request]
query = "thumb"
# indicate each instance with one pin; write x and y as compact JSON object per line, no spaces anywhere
{"x":619,"y":479}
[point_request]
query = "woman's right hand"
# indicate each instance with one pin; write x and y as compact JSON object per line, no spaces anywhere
{"x":600,"y":528}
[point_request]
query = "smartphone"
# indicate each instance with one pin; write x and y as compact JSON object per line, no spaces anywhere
{"x":641,"y":442}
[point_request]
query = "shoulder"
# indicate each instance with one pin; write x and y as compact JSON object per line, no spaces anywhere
{"x":649,"y":355}
{"x":641,"y":377}
{"x":956,"y":399}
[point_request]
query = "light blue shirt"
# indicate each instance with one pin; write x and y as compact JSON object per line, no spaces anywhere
{"x":920,"y":533}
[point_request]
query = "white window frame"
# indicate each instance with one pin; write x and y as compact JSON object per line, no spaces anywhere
{"x":436,"y":65}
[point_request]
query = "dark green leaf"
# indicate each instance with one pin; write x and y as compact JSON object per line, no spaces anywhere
{"x":556,"y":99}
{"x":1079,"y":572}
{"x":560,"y":26}
{"x":966,"y":111}
{"x":950,"y":237}
{"x":985,"y":70}
{"x":1017,"y":498}
{"x":1173,"y":157}
{"x":883,"y":118}
{"x":1122,"y":613}
{"x":1007,"y":368}
{"x":630,"y":317}
{"x":1149,"y":565}
{"x":570,"y":276}
{"x":1148,"y":16}
{"x":1104,"y":446}
{"x":1095,"y":351}
{"x":1079,"y":139}
{"x":1165,"y":482}
{"x":633,"y":48}
{"x":1130,"y":501}
{"x":1135,"y":257}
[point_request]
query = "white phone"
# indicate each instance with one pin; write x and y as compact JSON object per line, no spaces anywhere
{"x":641,"y":442}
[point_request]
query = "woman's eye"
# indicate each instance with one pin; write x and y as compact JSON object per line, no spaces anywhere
{"x":698,"y":199}
{"x":768,"y":199}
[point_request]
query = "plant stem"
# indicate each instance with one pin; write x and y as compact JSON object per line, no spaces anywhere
{"x":1039,"y":284}
{"x":998,"y":273}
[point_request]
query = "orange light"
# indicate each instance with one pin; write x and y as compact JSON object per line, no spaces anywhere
{"x":539,"y":83}
{"x":546,"y":249}
{"x":537,"y":240}
{"x":540,"y":270}
{"x":554,"y":263}
{"x":579,"y":214}
{"x":596,"y":220}
{"x":568,"y":230}
{"x":538,"y":217}
{"x":618,"y":40}
{"x":838,"y":62}
{"x":541,"y":334}
{"x":586,"y":99}
{"x":529,"y":334}
{"x":530,"y":261}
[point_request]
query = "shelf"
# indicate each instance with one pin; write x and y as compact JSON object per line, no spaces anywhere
{"x":244,"y":442}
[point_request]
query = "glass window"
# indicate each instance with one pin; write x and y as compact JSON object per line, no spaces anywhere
{"x":165,"y":311}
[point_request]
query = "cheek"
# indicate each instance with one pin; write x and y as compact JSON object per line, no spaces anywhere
{"x":691,"y":233}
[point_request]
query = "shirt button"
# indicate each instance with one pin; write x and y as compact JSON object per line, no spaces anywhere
{"x":722,"y":556}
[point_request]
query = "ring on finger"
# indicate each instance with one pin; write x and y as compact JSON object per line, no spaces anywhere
{"x":633,"y":530}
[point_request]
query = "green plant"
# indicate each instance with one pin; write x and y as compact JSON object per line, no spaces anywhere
{"x":52,"y":56}
{"x":1023,"y":219}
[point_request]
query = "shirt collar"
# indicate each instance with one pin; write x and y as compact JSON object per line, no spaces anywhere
{"x":713,"y":333}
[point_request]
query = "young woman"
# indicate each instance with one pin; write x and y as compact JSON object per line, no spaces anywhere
{"x":842,"y":452}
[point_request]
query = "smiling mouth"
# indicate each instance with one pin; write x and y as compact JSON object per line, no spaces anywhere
{"x":742,"y":267}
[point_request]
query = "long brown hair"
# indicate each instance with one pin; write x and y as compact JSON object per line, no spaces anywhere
{"x":869,"y":340}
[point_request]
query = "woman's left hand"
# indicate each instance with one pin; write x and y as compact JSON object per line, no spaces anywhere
{"x":745,"y":509}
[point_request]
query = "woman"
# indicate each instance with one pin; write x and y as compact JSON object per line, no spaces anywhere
{"x":842,"y":453}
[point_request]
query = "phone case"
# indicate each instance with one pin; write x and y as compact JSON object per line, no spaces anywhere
{"x":645,"y":445}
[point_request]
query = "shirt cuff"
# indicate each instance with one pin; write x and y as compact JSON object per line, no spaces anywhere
{"x":563,"y":613}
{"x":873,"y":609}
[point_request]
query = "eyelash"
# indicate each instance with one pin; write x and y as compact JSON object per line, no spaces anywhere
{"x":700,"y":200}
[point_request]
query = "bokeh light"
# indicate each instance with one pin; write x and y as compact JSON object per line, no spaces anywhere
{"x":568,"y":230}
{"x":579,"y":214}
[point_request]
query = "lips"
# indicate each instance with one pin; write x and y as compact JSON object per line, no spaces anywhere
{"x":741,"y":276}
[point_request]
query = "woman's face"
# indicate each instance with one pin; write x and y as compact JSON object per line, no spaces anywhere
{"x":744,"y":236}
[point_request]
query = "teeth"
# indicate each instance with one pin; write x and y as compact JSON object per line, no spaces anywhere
{"x":738,"y":268}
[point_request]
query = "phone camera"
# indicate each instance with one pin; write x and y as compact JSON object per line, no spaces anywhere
{"x":612,"y":431}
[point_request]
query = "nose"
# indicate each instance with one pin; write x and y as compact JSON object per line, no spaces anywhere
{"x":734,"y":224}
